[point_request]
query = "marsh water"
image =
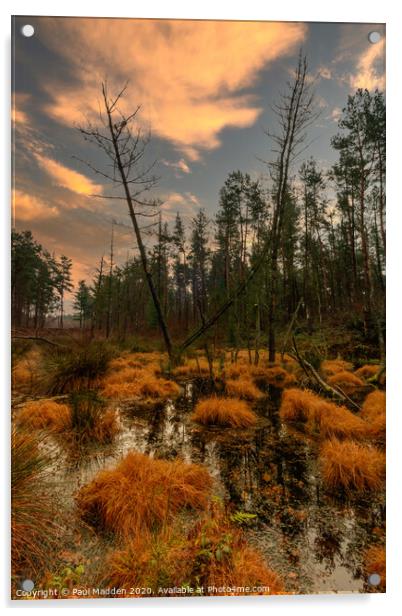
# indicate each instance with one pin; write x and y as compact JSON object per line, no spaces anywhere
{"x":313,"y":539}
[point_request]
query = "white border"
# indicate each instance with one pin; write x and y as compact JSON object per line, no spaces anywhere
{"x":292,"y":10}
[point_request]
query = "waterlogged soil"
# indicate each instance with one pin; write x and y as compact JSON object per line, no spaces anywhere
{"x":315,"y":540}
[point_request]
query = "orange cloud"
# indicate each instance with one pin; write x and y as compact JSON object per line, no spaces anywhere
{"x":18,"y":115}
{"x":179,"y":166}
{"x":68,"y":178}
{"x":26,"y":207}
{"x":187,"y":75}
{"x":370,"y":68}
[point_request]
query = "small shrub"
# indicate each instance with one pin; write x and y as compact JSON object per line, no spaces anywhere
{"x":229,"y":412}
{"x":142,"y":493}
{"x":352,"y":466}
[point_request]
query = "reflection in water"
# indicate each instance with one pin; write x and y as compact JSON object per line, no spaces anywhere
{"x":314,"y":541}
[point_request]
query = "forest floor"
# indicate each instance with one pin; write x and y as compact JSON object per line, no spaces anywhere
{"x":228,"y":477}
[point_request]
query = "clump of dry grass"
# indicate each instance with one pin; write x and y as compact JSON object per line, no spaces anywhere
{"x":237,"y":370}
{"x":130,"y":382}
{"x":338,"y":421}
{"x":213,"y":554}
{"x":374,"y":412}
{"x":330,"y":367}
{"x":243,"y":388}
{"x":299,"y":405}
{"x":85,"y":418}
{"x":74,"y":369}
{"x":90,"y":419}
{"x":346,"y":381}
{"x":152,"y":362}
{"x":374,"y":405}
{"x":367,"y":371}
{"x":25,"y":374}
{"x":150,"y":560}
{"x":319,"y":414}
{"x":374,"y":561}
{"x":228,"y":412}
{"x":273,"y":375}
{"x":222,"y":557}
{"x":45,"y":414}
{"x":34,"y":531}
{"x":142,"y":493}
{"x":352,"y":466}
{"x":194,"y":367}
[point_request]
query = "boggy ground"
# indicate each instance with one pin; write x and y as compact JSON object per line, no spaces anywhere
{"x":260,"y":495}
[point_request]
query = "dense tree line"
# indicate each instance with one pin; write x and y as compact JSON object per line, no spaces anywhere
{"x":39,"y":282}
{"x":330,"y":250}
{"x":317,"y":236}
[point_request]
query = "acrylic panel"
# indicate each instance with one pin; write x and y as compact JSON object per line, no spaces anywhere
{"x":198,"y":308}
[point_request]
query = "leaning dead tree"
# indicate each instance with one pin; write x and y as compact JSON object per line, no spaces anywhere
{"x":123,"y":142}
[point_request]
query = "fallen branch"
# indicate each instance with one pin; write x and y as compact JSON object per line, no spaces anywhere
{"x":38,"y":339}
{"x":312,"y":374}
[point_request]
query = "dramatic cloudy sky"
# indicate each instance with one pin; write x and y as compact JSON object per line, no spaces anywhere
{"x":205,"y":90}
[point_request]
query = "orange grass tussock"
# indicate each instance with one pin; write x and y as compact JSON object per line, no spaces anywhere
{"x":194,"y":367}
{"x":320,"y":415}
{"x":299,"y":404}
{"x":57,"y":418}
{"x":374,"y":561}
{"x":45,"y":414}
{"x":138,"y":383}
{"x":141,"y":493}
{"x":243,"y":388}
{"x":152,"y":362}
{"x":213,"y":554}
{"x":346,"y":381}
{"x":367,"y":371}
{"x":374,"y":405}
{"x":26,"y":371}
{"x":374,"y":412}
{"x":227,"y":412}
{"x":274,"y":375}
{"x":222,"y":558}
{"x":352,"y":466}
{"x":330,"y":367}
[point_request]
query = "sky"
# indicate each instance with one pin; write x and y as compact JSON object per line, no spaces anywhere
{"x":205,"y":90}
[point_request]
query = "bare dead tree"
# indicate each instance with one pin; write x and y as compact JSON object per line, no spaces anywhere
{"x":122,"y":140}
{"x":295,"y":113}
{"x":124,"y":144}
